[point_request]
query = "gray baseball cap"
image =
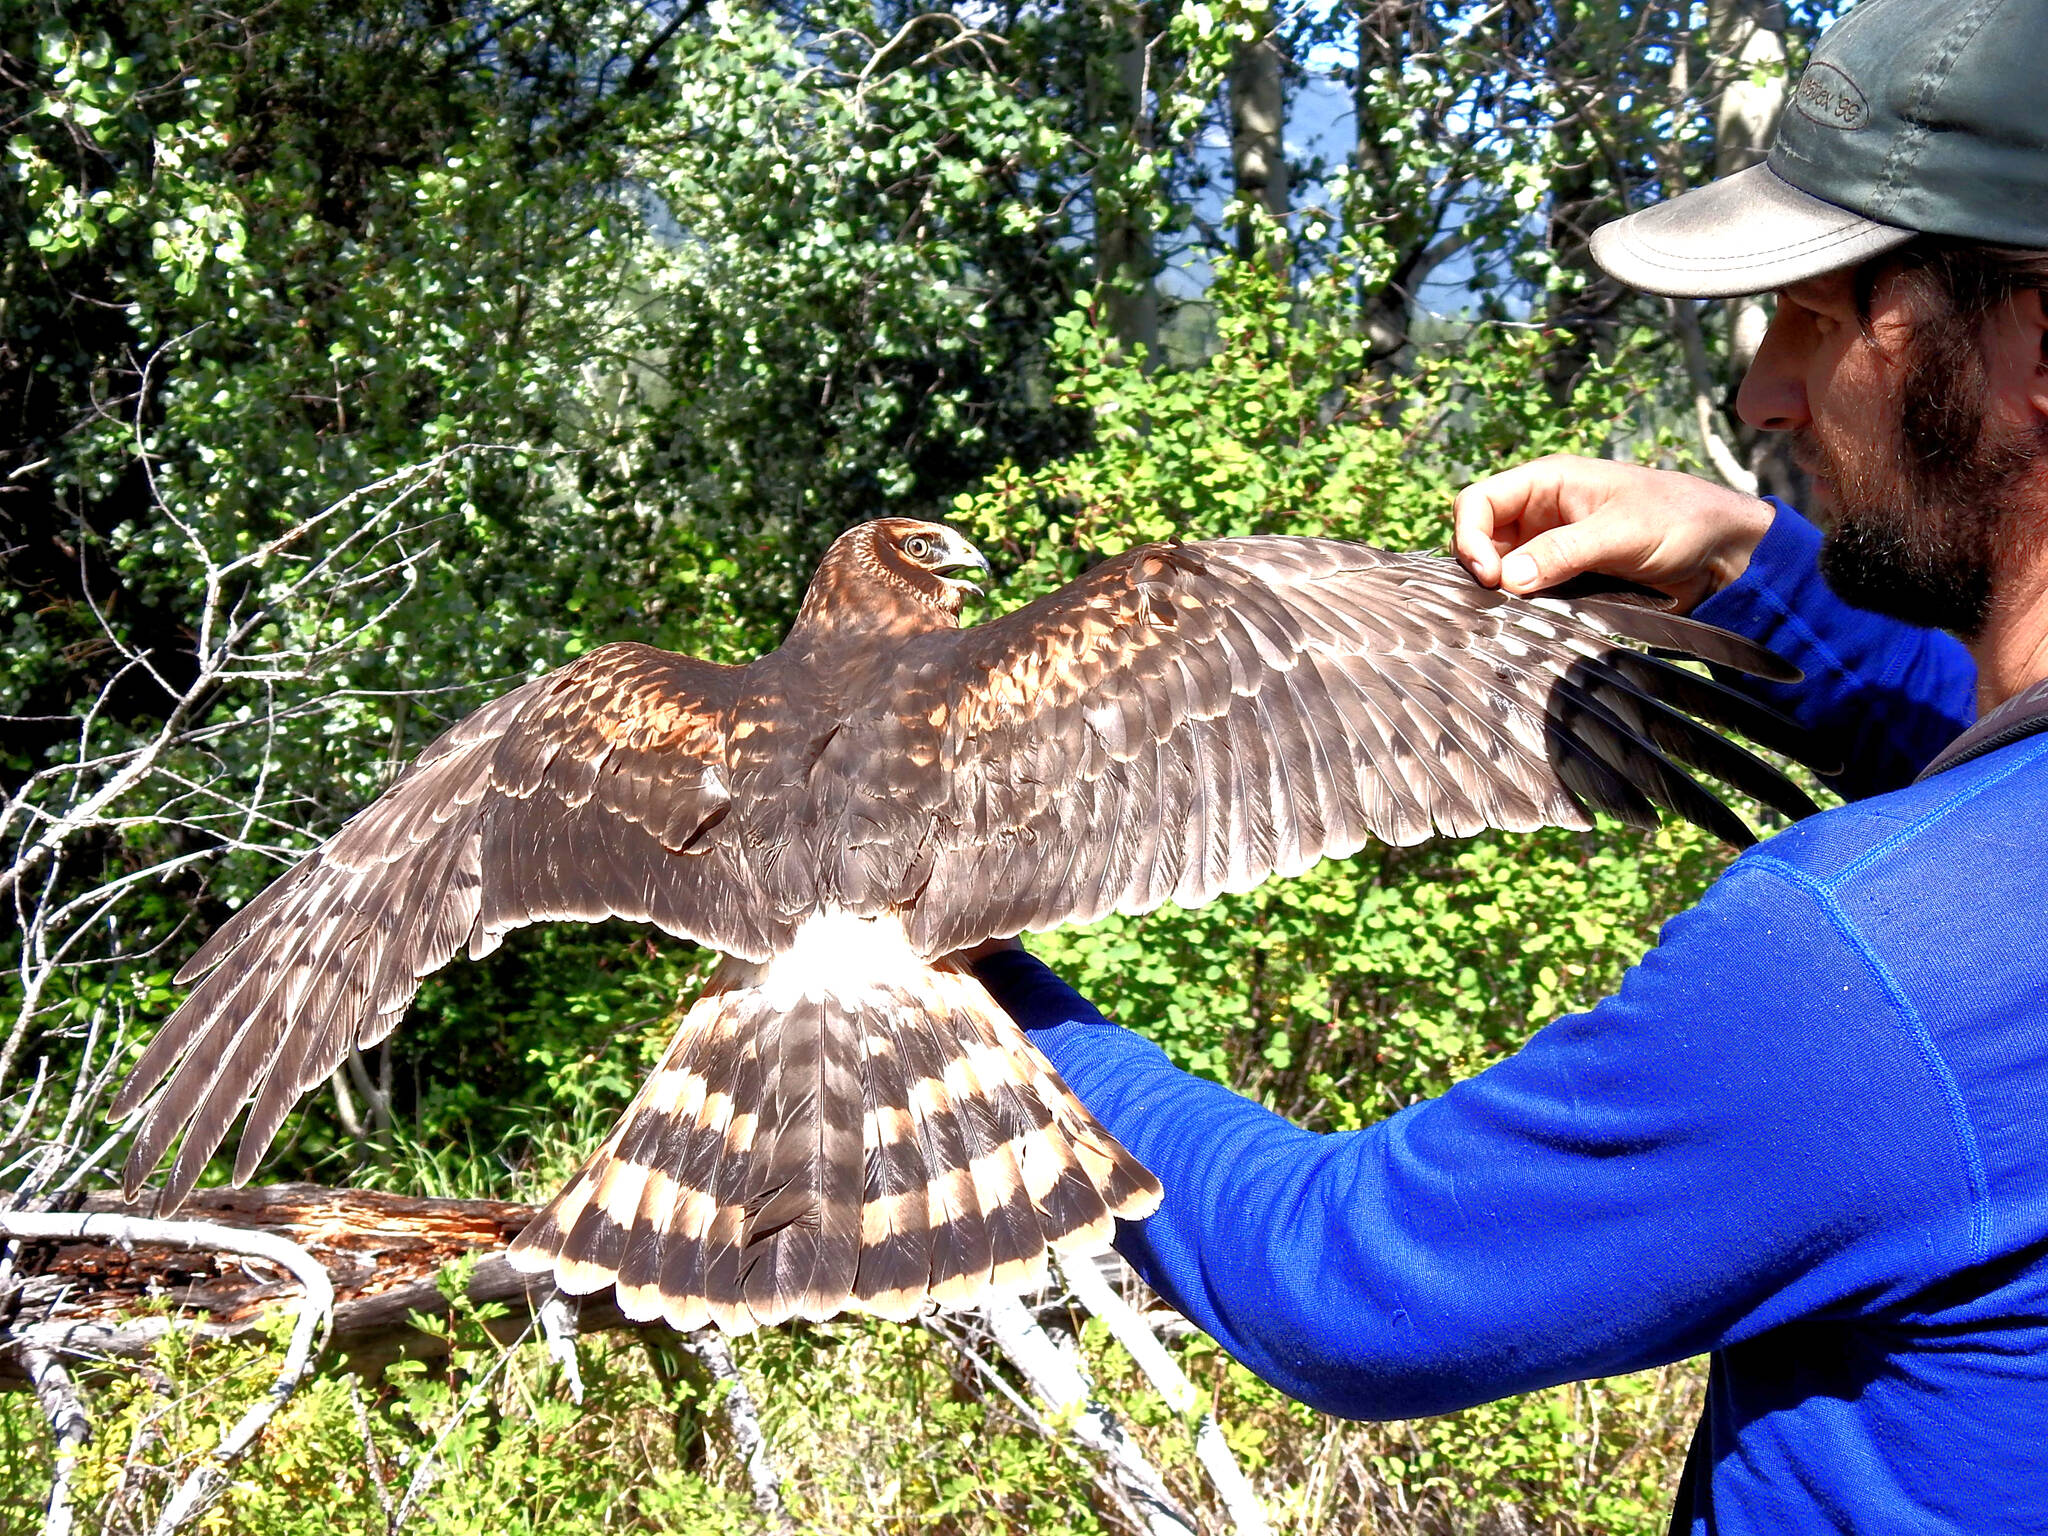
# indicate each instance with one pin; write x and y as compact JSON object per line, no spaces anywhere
{"x":1913,"y":117}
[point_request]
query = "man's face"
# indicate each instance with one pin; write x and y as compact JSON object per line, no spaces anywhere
{"x":1915,"y":461}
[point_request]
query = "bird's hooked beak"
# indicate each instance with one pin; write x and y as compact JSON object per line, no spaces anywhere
{"x":959,"y":555}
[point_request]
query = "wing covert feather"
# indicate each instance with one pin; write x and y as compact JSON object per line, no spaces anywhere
{"x":592,"y":792}
{"x":1186,"y":719}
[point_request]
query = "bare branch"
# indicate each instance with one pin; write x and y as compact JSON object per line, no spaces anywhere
{"x":222,"y":631}
{"x":744,"y":1419}
{"x":204,"y":1485}
{"x":1129,"y":1329}
{"x":70,"y":1429}
{"x":557,"y":1319}
{"x":1056,"y":1374}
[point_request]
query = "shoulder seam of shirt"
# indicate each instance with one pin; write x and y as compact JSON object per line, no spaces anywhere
{"x":1926,"y":819}
{"x":1937,"y":1065}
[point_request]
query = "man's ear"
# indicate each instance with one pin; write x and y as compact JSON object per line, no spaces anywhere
{"x":2033,"y":315}
{"x":2014,"y":346}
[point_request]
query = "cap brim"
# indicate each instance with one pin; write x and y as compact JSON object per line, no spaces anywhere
{"x":1746,"y":233}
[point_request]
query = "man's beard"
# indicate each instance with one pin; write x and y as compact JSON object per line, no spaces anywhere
{"x":1923,"y":510}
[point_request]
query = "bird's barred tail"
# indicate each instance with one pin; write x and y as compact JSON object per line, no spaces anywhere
{"x":862,"y":1154}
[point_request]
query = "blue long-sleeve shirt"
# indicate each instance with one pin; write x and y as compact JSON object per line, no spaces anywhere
{"x":1809,"y":1135}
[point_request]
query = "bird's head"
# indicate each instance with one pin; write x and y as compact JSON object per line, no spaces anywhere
{"x":913,"y":562}
{"x":925,"y":555}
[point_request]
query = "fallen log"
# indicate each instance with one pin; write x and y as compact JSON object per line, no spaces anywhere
{"x":85,"y":1298}
{"x":382,"y":1252}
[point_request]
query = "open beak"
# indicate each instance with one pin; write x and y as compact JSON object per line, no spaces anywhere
{"x":960,"y":555}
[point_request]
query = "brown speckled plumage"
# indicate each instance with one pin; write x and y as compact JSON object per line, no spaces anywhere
{"x":1181,"y":721}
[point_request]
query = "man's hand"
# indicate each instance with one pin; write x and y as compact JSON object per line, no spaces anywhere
{"x":1561,"y":516}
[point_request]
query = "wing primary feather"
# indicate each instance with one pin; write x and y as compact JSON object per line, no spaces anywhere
{"x":1695,"y":746}
{"x":1689,"y":637}
{"x":1714,"y":701}
{"x":1654,"y":778}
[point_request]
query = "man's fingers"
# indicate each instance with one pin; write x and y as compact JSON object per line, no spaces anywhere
{"x":1472,"y":536}
{"x":1553,"y":556}
{"x":1608,"y":542}
{"x":1494,"y":515}
{"x":1544,"y":522}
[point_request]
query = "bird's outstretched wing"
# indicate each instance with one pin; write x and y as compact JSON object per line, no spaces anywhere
{"x":1186,"y":720}
{"x":596,"y":791}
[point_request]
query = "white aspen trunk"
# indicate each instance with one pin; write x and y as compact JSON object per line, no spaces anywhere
{"x":1125,"y":285}
{"x":1056,"y":1374}
{"x":1258,"y":123}
{"x":1747,"y":42}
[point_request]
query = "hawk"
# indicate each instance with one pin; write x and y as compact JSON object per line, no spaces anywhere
{"x":846,"y":1120}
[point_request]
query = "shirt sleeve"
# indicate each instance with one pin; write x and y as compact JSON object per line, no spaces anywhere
{"x":1893,"y":694}
{"x":1747,"y":1133}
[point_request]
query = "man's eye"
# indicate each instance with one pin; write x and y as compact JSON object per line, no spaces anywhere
{"x":918,"y":547}
{"x":1822,"y":308}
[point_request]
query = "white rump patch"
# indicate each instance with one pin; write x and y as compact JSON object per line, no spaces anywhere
{"x":839,"y":955}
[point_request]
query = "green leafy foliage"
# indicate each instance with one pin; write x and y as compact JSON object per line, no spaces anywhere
{"x":875,"y":1428}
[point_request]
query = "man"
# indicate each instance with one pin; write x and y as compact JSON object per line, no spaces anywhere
{"x":1810,"y":1133}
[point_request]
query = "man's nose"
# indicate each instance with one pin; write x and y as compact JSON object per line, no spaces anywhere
{"x":1773,"y":393}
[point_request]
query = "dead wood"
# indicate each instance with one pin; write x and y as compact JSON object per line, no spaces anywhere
{"x":382,"y":1252}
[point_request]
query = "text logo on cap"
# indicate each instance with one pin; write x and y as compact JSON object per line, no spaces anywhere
{"x":1830,"y":98}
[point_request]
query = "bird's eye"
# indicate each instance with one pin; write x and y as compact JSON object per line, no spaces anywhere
{"x":918,"y":547}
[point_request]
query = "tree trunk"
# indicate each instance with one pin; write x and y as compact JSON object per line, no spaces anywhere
{"x":1575,"y":206}
{"x":1576,"y":64}
{"x":1385,"y":37}
{"x":1126,"y":286}
{"x":1258,"y":120}
{"x":381,"y":1251}
{"x":1746,"y":41}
